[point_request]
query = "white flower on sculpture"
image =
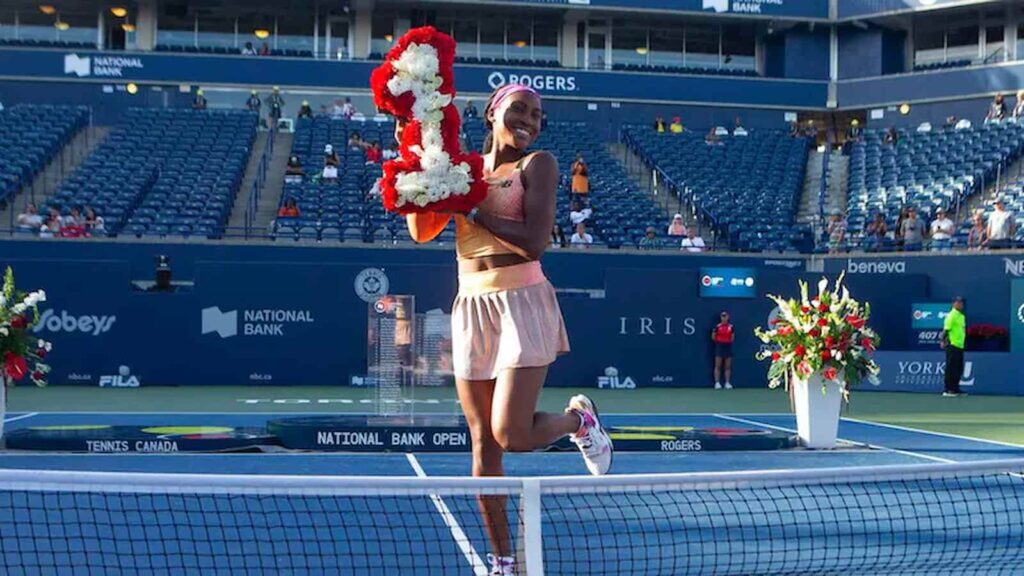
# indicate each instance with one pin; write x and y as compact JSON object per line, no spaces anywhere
{"x":4,"y":331}
{"x":19,"y":308}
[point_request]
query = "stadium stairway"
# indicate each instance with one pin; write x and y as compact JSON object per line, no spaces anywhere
{"x":270,"y":196}
{"x":836,"y":182}
{"x":642,"y":175}
{"x":63,"y":165}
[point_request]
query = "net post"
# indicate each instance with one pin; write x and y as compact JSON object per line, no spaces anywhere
{"x":532,"y":540}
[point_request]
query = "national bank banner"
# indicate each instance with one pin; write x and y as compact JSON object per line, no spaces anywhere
{"x":353,"y":75}
{"x":859,"y":8}
{"x":985,"y":373}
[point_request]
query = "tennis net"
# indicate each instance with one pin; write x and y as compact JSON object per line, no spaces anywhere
{"x":927,"y":519}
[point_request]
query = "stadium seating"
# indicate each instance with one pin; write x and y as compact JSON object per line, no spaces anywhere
{"x":747,"y":188}
{"x":167,"y":172}
{"x":684,"y":70}
{"x":30,"y":137}
{"x":226,"y":51}
{"x":62,"y":44}
{"x":925,"y":170}
{"x":941,"y":65}
{"x":341,"y":210}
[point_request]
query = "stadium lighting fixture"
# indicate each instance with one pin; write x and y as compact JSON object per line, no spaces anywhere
{"x":641,"y":50}
{"x":119,"y":11}
{"x":389,"y":37}
{"x":128,"y":27}
{"x":904,"y":109}
{"x":132,"y":88}
{"x":519,"y":43}
{"x":61,"y":25}
{"x":261,"y":33}
{"x":47,"y":9}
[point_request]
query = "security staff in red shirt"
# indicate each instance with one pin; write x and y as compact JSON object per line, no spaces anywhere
{"x":722,"y":336}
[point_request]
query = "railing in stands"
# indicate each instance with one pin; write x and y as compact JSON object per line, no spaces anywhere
{"x":823,"y":187}
{"x":257,"y":186}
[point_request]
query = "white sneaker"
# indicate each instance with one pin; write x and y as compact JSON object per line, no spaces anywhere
{"x":728,"y":386}
{"x":718,"y":385}
{"x":594,"y":442}
{"x":950,"y":394}
{"x":501,"y":565}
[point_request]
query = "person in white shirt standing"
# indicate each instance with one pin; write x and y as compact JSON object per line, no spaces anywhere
{"x":581,"y":239}
{"x":579,"y":214}
{"x":692,"y":242}
{"x":942,"y":231}
{"x":1001,"y":227}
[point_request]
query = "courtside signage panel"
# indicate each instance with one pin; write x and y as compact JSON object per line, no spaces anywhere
{"x":926,"y":320}
{"x":728,"y":283}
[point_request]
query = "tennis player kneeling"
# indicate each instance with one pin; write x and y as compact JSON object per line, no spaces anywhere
{"x":507,"y":327}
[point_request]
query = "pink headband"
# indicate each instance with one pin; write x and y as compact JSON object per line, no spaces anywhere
{"x":507,"y":90}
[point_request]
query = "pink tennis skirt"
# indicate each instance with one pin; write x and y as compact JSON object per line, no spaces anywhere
{"x":505,"y":318}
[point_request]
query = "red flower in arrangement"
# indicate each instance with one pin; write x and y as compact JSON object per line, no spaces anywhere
{"x":799,"y":351}
{"x":826,"y":354}
{"x":19,"y":322}
{"x":776,"y":356}
{"x":830,"y":373}
{"x":814,"y":332}
{"x":37,"y":375}
{"x":866,"y":343}
{"x":823,"y":308}
{"x":785,"y":330}
{"x":41,"y":352}
{"x":830,"y":342}
{"x":804,"y":369}
{"x":805,"y":309}
{"x":855,"y":322}
{"x":822,"y":322}
{"x":427,"y":195}
{"x":15,"y":365}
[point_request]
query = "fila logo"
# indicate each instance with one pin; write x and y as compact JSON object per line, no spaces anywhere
{"x":614,"y":383}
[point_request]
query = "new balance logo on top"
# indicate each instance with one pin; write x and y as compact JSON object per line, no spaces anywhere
{"x":225,"y":324}
{"x":716,"y":5}
{"x":77,"y":65}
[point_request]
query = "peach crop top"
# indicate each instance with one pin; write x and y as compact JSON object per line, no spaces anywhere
{"x":504,"y":200}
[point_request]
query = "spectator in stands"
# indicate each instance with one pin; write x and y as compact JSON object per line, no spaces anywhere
{"x":390,"y":153}
{"x":94,"y":225}
{"x":30,"y":219}
{"x":811,"y":131}
{"x":676,"y":127}
{"x":337,"y":109}
{"x":659,"y":125}
{"x":794,"y":130}
{"x":942,"y":231}
{"x":581,"y":239}
{"x":199,"y":102}
{"x":712,"y":138}
{"x":580,"y":187}
{"x":294,"y":172}
{"x":891,"y":137}
{"x":305,"y":111}
{"x":276,"y":104}
{"x":289,"y":210}
{"x":950,"y":122}
{"x":73,"y":225}
{"x":978,"y":235}
{"x":578,"y":214}
{"x":348,"y":110}
{"x":996,"y":110}
{"x":254,"y":104}
{"x":248,"y":50}
{"x":692,"y":242}
{"x":557,"y":236}
{"x":854,"y":132}
{"x":738,"y":129}
{"x":1018,"y":108}
{"x":355,"y":141}
{"x":650,"y":239}
{"x":912,"y":231}
{"x":265,"y":49}
{"x":676,"y":226}
{"x":374,"y":155}
{"x":874,"y":233}
{"x":836,"y":233}
{"x":331,"y":163}
{"x":469,"y":112}
{"x":1001,"y":227}
{"x":74,"y":218}
{"x":51,"y":226}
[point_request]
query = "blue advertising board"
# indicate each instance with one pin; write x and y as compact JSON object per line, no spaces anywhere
{"x":985,"y":373}
{"x":802,"y":9}
{"x":861,"y":8}
{"x":1017,"y":316}
{"x":86,"y":66}
{"x":926,"y":321}
{"x":728,"y":283}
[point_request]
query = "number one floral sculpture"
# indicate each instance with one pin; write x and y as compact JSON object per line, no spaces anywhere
{"x":415,"y":84}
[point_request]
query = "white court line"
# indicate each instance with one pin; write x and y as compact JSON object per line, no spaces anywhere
{"x":875,"y":446}
{"x":931,"y":433}
{"x":479,"y":568}
{"x":22,"y":417}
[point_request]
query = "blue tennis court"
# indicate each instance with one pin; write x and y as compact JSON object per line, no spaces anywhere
{"x":963,"y":524}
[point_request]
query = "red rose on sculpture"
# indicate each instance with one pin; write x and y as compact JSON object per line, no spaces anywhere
{"x":826,"y":355}
{"x":15,"y":366}
{"x":799,"y":351}
{"x":830,"y":373}
{"x":823,"y":322}
{"x":855,"y":322}
{"x":19,"y":322}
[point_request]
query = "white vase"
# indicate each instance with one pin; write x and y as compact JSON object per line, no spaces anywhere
{"x":817,"y":413}
{"x":3,"y":405}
